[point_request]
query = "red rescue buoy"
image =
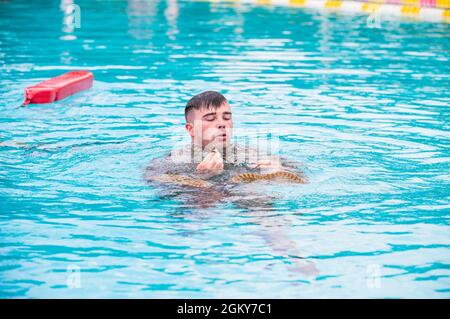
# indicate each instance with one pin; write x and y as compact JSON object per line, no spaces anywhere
{"x":58,"y":88}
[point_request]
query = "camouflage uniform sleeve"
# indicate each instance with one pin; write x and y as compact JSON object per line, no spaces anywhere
{"x":154,"y":168}
{"x":165,"y":170}
{"x":293,"y":166}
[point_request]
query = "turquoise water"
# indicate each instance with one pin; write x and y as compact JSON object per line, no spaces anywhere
{"x":366,"y":110}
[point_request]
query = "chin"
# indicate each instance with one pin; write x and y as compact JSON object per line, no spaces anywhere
{"x":220,"y":144}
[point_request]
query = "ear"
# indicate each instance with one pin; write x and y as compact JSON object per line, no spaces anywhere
{"x":190,"y":128}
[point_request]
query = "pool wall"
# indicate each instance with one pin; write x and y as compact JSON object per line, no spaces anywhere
{"x":422,"y":10}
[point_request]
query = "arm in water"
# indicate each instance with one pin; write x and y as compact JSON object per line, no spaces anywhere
{"x":277,"y":166}
{"x":209,"y":167}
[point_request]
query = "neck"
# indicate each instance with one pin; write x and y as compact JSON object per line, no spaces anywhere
{"x":208,"y":148}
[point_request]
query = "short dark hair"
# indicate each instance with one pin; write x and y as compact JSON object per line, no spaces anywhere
{"x":207,"y":99}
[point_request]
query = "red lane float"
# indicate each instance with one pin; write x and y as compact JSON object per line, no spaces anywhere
{"x":58,"y":88}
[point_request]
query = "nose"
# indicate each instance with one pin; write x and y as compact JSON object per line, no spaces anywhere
{"x":220,"y":124}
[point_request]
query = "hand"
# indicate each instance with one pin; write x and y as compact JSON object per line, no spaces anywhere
{"x":213,"y":162}
{"x":268,"y":165}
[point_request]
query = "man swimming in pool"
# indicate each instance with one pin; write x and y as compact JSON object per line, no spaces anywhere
{"x":209,"y":123}
{"x":210,"y":160}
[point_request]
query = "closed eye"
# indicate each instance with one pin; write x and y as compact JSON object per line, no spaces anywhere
{"x":226,"y":116}
{"x":209,"y":117}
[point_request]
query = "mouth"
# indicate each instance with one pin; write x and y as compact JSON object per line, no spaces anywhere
{"x":222,"y":136}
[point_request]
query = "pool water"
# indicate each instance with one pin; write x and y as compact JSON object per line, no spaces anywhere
{"x":365,"y":110}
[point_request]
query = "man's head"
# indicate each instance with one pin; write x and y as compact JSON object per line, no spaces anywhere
{"x":208,"y":120}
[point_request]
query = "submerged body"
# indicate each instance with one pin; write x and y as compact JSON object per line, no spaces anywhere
{"x":179,"y":168}
{"x":180,"y":180}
